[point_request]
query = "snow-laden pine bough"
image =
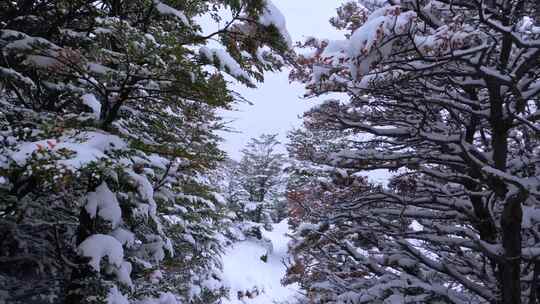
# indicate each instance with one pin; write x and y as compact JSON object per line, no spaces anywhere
{"x":108,"y":121}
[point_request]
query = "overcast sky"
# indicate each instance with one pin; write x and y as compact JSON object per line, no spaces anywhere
{"x":277,"y":104}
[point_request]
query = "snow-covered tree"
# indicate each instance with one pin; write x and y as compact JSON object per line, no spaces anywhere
{"x":225,"y":177}
{"x":446,"y":93}
{"x":260,"y":174}
{"x":318,"y":195}
{"x":306,"y":179}
{"x":107,"y":131}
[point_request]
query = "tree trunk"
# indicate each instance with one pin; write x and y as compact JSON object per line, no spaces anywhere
{"x":534,"y":292}
{"x":510,"y":269}
{"x":509,"y":274}
{"x":258,"y":216}
{"x":74,"y":290}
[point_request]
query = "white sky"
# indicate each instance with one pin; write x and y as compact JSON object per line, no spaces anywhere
{"x":277,"y":104}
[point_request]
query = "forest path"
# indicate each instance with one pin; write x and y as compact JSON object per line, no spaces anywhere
{"x":250,"y":279}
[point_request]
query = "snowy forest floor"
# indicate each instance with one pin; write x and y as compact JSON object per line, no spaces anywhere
{"x":256,"y":281}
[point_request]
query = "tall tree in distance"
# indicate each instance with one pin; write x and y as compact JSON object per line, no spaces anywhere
{"x":446,"y":93}
{"x":260,"y":173}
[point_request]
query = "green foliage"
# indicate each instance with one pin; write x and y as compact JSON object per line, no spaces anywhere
{"x":113,"y":100}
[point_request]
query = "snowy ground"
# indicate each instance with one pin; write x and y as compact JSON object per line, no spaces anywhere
{"x":245,"y":271}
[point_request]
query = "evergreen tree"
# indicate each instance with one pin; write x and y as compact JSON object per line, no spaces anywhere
{"x":226,"y":178}
{"x":260,"y":174}
{"x":107,"y":131}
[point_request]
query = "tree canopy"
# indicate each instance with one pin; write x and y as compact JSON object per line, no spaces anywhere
{"x":107,"y":130}
{"x":444,"y":94}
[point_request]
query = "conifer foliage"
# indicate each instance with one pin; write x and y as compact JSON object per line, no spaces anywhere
{"x":254,"y":187}
{"x":107,"y":129}
{"x":446,"y":95}
{"x":261,"y":177}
